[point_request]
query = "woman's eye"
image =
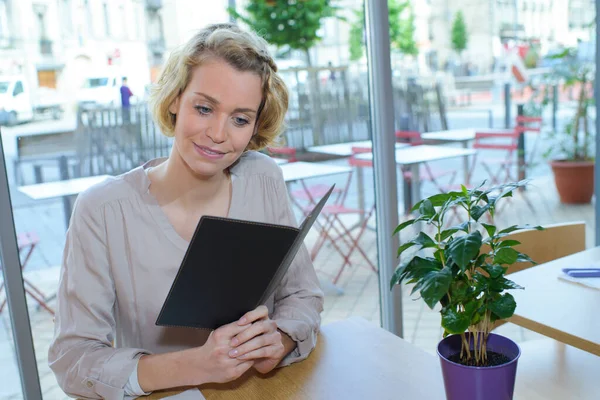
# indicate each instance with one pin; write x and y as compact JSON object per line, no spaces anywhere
{"x":241,"y":121}
{"x":203,"y":110}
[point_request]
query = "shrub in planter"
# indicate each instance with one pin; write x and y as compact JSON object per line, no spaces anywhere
{"x":463,"y":269}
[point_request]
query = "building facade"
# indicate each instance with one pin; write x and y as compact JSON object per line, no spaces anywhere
{"x":57,"y":43}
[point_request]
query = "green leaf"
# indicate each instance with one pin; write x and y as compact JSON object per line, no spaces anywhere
{"x":462,"y":227}
{"x":504,"y":306}
{"x":435,"y":286}
{"x":403,"y":225}
{"x":405,"y":246}
{"x":506,"y":255}
{"x":455,"y":322}
{"x":426,"y":209}
{"x":513,"y":228}
{"x":425,"y":241}
{"x":437,"y":200}
{"x":458,"y":291}
{"x":478,"y":211}
{"x":508,"y":243}
{"x":446,"y":234}
{"x":414,"y":269}
{"x":491,"y":229}
{"x":525,"y":258}
{"x":495,"y":270}
{"x":508,"y":284}
{"x":465,"y":248}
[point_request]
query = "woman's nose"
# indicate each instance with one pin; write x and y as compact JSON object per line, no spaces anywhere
{"x":217,"y":131}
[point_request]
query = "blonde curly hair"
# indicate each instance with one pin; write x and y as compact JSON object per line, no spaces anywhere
{"x":244,"y":51}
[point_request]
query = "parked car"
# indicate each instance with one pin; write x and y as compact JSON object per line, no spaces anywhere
{"x":19,"y":102}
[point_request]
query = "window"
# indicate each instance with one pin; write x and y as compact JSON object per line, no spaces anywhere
{"x":18,"y":88}
{"x":106,"y":19}
{"x":4,"y":33}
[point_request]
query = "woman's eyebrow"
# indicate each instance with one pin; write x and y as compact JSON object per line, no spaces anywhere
{"x":217,"y":102}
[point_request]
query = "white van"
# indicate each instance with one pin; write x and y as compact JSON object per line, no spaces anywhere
{"x":102,"y":89}
{"x":21,"y":103}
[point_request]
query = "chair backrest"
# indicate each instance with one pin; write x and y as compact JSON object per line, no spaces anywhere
{"x":411,"y":137}
{"x":556,"y":241}
{"x":289,"y":153}
{"x":354,"y":162}
{"x":496,"y":140}
{"x":528,"y":124}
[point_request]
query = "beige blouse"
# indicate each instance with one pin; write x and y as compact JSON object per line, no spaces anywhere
{"x":120,"y":259}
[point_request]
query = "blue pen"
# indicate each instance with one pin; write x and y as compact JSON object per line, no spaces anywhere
{"x":582,"y":272}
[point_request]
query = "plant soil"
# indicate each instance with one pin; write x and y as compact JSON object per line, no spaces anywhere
{"x":493,"y":359}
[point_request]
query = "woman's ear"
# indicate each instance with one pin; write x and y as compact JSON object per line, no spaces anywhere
{"x":174,"y":106}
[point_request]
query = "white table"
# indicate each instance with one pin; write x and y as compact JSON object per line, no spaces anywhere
{"x":280,"y":161}
{"x":345,"y":149}
{"x":415,"y":155}
{"x":300,"y":170}
{"x":64,"y":189}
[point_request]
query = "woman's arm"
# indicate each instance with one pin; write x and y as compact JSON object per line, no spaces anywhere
{"x":82,"y":355}
{"x":298,"y":301}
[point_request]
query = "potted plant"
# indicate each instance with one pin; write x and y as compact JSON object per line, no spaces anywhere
{"x":572,"y":158}
{"x":463,"y":269}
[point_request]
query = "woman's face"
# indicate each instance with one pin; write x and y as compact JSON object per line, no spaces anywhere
{"x":216,"y":114}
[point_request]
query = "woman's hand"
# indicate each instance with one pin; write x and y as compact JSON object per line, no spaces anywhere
{"x":213,"y":360}
{"x":261,"y":341}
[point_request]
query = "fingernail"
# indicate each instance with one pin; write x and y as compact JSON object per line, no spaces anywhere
{"x":233,"y":353}
{"x":234,"y":342}
{"x":243,"y":320}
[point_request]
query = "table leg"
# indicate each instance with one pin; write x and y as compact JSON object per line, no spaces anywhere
{"x":67,"y":209}
{"x":416,"y":185}
{"x":360,"y":183}
{"x":466,"y":172}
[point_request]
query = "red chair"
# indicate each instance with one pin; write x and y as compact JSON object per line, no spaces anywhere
{"x":288,"y":153}
{"x":506,"y":142}
{"x":27,"y":243}
{"x":307,"y":193}
{"x":335,"y":231}
{"x":427,"y":173}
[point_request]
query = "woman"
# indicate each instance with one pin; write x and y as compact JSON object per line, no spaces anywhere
{"x":220,"y":98}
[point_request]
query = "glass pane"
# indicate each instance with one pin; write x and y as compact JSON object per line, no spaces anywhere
{"x":463,"y":85}
{"x":76,"y":124}
{"x":10,"y":382}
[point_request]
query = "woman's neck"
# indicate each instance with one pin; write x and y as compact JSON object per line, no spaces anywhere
{"x":173,"y":181}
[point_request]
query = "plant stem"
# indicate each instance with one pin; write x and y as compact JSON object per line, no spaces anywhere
{"x":465,"y":347}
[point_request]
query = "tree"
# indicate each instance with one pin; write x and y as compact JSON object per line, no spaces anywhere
{"x":459,"y":33}
{"x":402,"y":30}
{"x":288,"y":23}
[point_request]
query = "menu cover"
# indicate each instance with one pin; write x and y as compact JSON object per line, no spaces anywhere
{"x":231,"y":267}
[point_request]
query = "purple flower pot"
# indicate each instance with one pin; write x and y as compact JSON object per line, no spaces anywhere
{"x":479,"y":383}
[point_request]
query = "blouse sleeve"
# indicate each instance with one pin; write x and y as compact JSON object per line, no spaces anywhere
{"x":81,"y":354}
{"x":298,"y":301}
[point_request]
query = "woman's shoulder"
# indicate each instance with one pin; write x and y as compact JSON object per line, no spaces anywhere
{"x":254,"y":163}
{"x":111,"y":189}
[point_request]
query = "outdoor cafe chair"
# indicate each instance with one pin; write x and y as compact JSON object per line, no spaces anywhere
{"x":427,"y":173}
{"x":335,"y":227}
{"x":307,"y":192}
{"x":27,"y":243}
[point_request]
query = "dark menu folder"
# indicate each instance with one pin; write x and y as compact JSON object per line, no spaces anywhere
{"x":231,"y":267}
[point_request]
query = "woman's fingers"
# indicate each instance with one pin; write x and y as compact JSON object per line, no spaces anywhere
{"x":269,"y":352}
{"x":256,"y":329}
{"x":258,"y":342}
{"x":258,"y":313}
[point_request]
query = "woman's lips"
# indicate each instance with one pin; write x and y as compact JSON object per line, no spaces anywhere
{"x":208,"y":152}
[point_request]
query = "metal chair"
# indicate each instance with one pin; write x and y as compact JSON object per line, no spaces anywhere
{"x":27,"y":243}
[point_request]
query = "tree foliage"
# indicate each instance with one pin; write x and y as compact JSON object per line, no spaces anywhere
{"x":402,"y":30}
{"x":459,"y":33}
{"x":287,"y":23}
